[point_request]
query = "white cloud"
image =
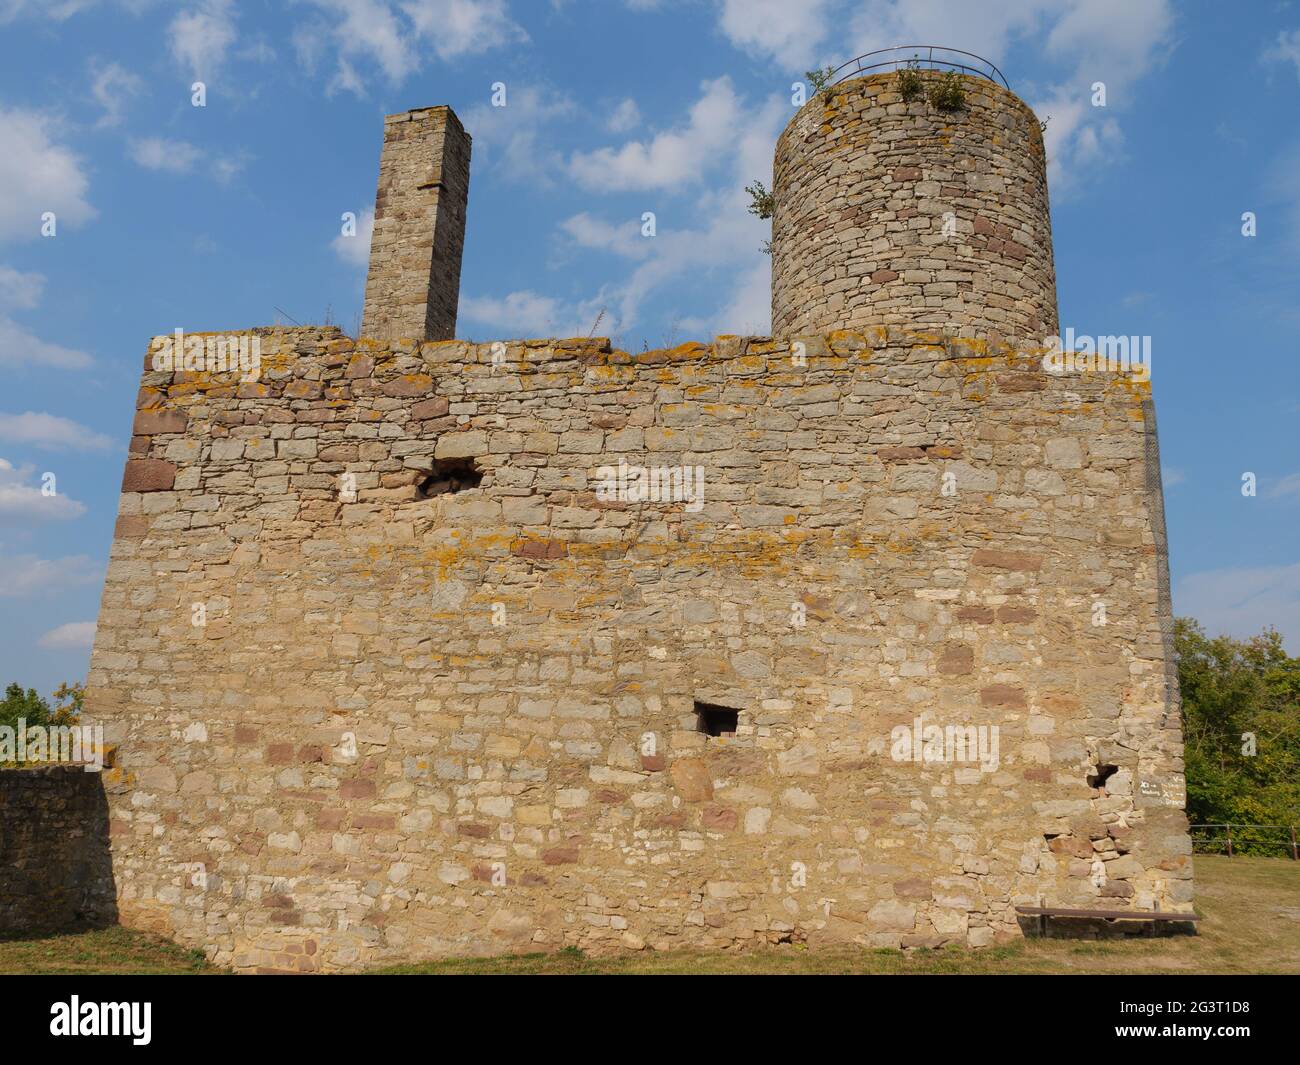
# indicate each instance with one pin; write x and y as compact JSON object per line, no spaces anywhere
{"x":112,"y":86}
{"x":721,"y":247}
{"x":618,"y":238}
{"x":786,"y":31}
{"x":1171,"y":477}
{"x":72,"y":636}
{"x":463,"y":27}
{"x":672,"y":158}
{"x":181,"y":157}
{"x":355,"y":250}
{"x":19,"y":347}
{"x":749,"y":311}
{"x":526,"y":314}
{"x":57,"y":10}
{"x":157,"y":153}
{"x":1285,"y":486}
{"x":37,"y":175}
{"x":624,"y":117}
{"x":19,"y":291}
{"x":394,"y":36}
{"x":1242,"y":601}
{"x":1286,"y":50}
{"x":51,"y":433}
{"x":26,"y":504}
{"x":1112,"y":41}
{"x":511,"y":139}
{"x":200,"y":37}
{"x":29,"y":575}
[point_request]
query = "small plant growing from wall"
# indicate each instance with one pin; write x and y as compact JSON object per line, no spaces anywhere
{"x":946,"y":94}
{"x":910,"y":86}
{"x":763,"y":204}
{"x":819,"y":79}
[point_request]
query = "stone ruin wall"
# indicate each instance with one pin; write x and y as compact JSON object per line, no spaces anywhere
{"x":341,"y":766}
{"x":55,"y":868}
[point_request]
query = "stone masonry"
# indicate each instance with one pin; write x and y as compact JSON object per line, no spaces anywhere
{"x":896,"y":213}
{"x":414,"y":281}
{"x":391,"y":673}
{"x":55,"y":869}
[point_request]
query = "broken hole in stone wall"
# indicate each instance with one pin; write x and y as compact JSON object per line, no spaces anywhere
{"x":1100,"y":774}
{"x":450,"y":475}
{"x":714,"y":720}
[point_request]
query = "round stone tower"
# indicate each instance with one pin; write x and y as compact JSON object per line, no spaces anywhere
{"x":900,"y":213}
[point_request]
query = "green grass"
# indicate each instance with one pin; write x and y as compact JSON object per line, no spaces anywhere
{"x":1250,"y":906}
{"x":102,"y":950}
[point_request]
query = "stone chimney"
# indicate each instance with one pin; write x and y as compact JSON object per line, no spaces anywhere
{"x":414,"y":281}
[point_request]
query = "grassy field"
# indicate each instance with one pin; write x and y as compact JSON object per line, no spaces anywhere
{"x":1250,"y":906}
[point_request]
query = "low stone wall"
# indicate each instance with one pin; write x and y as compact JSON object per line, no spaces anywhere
{"x":55,"y":868}
{"x":362,"y":715}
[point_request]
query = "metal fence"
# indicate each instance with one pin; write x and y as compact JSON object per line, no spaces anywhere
{"x":920,"y":57}
{"x":1253,"y":839}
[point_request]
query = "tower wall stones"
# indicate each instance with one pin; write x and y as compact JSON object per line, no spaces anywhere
{"x":413,"y":285}
{"x":417,"y":721}
{"x":864,"y":184}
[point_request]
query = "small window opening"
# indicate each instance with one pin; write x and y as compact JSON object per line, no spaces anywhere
{"x":715,"y":720}
{"x":1103,"y":773}
{"x":450,"y":475}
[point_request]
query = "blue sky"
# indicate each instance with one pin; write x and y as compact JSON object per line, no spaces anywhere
{"x":213,"y":217}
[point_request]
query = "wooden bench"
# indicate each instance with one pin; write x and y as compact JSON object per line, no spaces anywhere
{"x":1154,"y":916}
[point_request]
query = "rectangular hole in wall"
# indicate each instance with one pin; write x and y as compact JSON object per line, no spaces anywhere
{"x":714,"y":720}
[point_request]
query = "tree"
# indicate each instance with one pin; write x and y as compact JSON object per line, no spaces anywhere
{"x":1241,"y":723}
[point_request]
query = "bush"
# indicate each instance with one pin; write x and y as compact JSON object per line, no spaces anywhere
{"x":910,"y":85}
{"x":947,"y":94}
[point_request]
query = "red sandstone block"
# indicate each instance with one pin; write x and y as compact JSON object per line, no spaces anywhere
{"x":1019,"y":561}
{"x":430,"y":408}
{"x":245,"y":734}
{"x":329,"y":819}
{"x":652,"y":763}
{"x":280,"y":754}
{"x":560,"y":855}
{"x":471,"y":828}
{"x":1002,"y":695}
{"x":539,"y":548}
{"x":380,"y":822}
{"x":148,"y":475}
{"x":956,"y":659}
{"x":156,"y":422}
{"x":896,"y":454}
{"x":720,"y":818}
{"x":357,"y":789}
{"x":880,"y":277}
{"x":981,"y":615}
{"x":1016,"y":614}
{"x":131,"y":527}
